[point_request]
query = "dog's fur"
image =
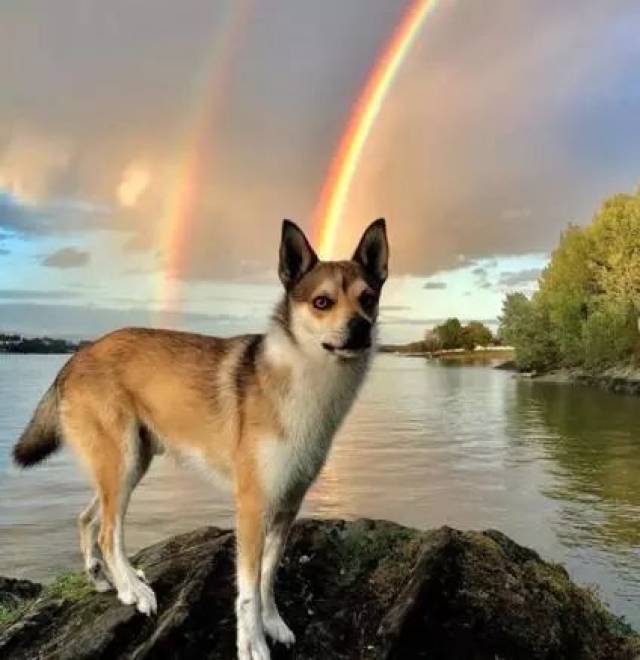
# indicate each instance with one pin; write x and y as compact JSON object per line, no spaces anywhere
{"x":258,"y":410}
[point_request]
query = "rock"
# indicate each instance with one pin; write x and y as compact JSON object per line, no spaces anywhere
{"x":364,"y":589}
{"x":13,"y":593}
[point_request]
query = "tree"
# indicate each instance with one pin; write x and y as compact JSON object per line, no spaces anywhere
{"x":449,"y":333}
{"x":476,"y":334}
{"x":616,"y":248}
{"x":567,"y":289}
{"x":585,"y":312}
{"x":432,"y":342}
{"x":516,"y":312}
{"x":526,"y":326}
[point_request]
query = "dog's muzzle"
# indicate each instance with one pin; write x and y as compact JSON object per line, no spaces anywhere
{"x":358,"y":337}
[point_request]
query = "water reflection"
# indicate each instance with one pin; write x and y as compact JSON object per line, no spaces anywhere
{"x":592,"y":438}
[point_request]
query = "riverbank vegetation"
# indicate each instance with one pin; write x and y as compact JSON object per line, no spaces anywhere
{"x":450,"y":338}
{"x":585,"y":311}
{"x":13,"y":343}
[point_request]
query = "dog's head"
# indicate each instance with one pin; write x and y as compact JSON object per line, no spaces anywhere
{"x":331,"y":307}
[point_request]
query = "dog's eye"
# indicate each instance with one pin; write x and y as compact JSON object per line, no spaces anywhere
{"x":322,"y":303}
{"x":368,"y":300}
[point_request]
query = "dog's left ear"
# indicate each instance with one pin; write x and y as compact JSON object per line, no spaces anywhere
{"x":372,"y":252}
{"x":297,"y":257}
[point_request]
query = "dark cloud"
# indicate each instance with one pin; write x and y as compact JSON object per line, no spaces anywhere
{"x":45,"y":218}
{"x":90,"y":322}
{"x":515,"y":278}
{"x":434,"y":285}
{"x":69,"y":257}
{"x":480,"y":272}
{"x":4,"y":252}
{"x":35,"y":294}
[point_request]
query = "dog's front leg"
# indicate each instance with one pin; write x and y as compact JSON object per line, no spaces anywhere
{"x":277,"y":532}
{"x":250,"y":534}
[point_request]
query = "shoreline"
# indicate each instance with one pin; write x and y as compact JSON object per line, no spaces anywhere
{"x":620,"y":380}
{"x":415,"y":349}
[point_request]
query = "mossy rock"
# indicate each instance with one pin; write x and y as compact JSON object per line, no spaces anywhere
{"x":363,"y":589}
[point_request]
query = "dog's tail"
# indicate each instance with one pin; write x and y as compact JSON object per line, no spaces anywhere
{"x":42,"y":435}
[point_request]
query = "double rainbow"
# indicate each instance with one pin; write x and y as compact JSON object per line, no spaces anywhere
{"x":191,"y":168}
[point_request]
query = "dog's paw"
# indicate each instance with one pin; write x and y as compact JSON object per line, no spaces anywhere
{"x":278,"y":630}
{"x":99,"y":576}
{"x":142,"y":596}
{"x":253,"y":648}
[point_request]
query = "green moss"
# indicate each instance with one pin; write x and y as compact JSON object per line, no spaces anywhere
{"x":69,"y":586}
{"x":9,"y":614}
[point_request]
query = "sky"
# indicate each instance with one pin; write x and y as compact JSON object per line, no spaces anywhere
{"x":506,"y":122}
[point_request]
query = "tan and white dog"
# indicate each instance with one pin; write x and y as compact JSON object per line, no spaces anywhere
{"x":259,"y":410}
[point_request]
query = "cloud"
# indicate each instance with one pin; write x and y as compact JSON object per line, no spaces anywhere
{"x":30,"y":219}
{"x":36,"y":294}
{"x":31,"y":162}
{"x":69,"y":257}
{"x":518,"y":277}
{"x":435,"y":285}
{"x":4,"y":252}
{"x":85,"y":322}
{"x":135,"y":181}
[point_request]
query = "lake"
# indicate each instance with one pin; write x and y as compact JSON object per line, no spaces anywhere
{"x":556,"y":467}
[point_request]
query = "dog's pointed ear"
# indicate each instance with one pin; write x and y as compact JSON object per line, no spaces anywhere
{"x":296,"y":255}
{"x":372,"y":252}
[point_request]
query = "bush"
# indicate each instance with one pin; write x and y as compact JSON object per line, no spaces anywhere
{"x":610,"y":335}
{"x":449,"y":334}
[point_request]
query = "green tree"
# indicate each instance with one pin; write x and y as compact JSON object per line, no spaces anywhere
{"x":585,"y":311}
{"x":475,"y":334}
{"x":609,"y":334}
{"x":616,"y":249}
{"x":527,"y":327}
{"x":566,"y":290}
{"x":450,"y":333}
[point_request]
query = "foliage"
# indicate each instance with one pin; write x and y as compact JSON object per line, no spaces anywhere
{"x":449,"y":333}
{"x":585,"y":312}
{"x":452,"y":334}
{"x":475,"y":334}
{"x":527,"y":326}
{"x":609,"y":335}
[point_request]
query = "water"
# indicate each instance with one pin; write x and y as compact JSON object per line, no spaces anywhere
{"x":556,"y":467}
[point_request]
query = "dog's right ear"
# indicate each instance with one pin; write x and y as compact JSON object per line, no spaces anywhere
{"x":297,"y":257}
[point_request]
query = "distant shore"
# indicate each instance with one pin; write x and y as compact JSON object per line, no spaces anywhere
{"x":417,"y":349}
{"x":17,"y":344}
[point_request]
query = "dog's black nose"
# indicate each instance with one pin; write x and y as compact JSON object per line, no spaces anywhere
{"x":359,"y":333}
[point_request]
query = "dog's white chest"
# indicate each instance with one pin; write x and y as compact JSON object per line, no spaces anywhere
{"x":310,"y":415}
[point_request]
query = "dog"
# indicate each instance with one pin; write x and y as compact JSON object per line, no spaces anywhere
{"x":260,"y":411}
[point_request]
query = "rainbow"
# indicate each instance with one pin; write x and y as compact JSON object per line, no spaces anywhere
{"x":333,"y":196}
{"x":193,"y":164}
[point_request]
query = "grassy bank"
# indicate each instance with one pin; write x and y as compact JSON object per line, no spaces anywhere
{"x":419,"y":349}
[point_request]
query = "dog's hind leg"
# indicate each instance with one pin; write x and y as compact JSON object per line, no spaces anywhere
{"x":117,"y":456}
{"x":88,"y":525}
